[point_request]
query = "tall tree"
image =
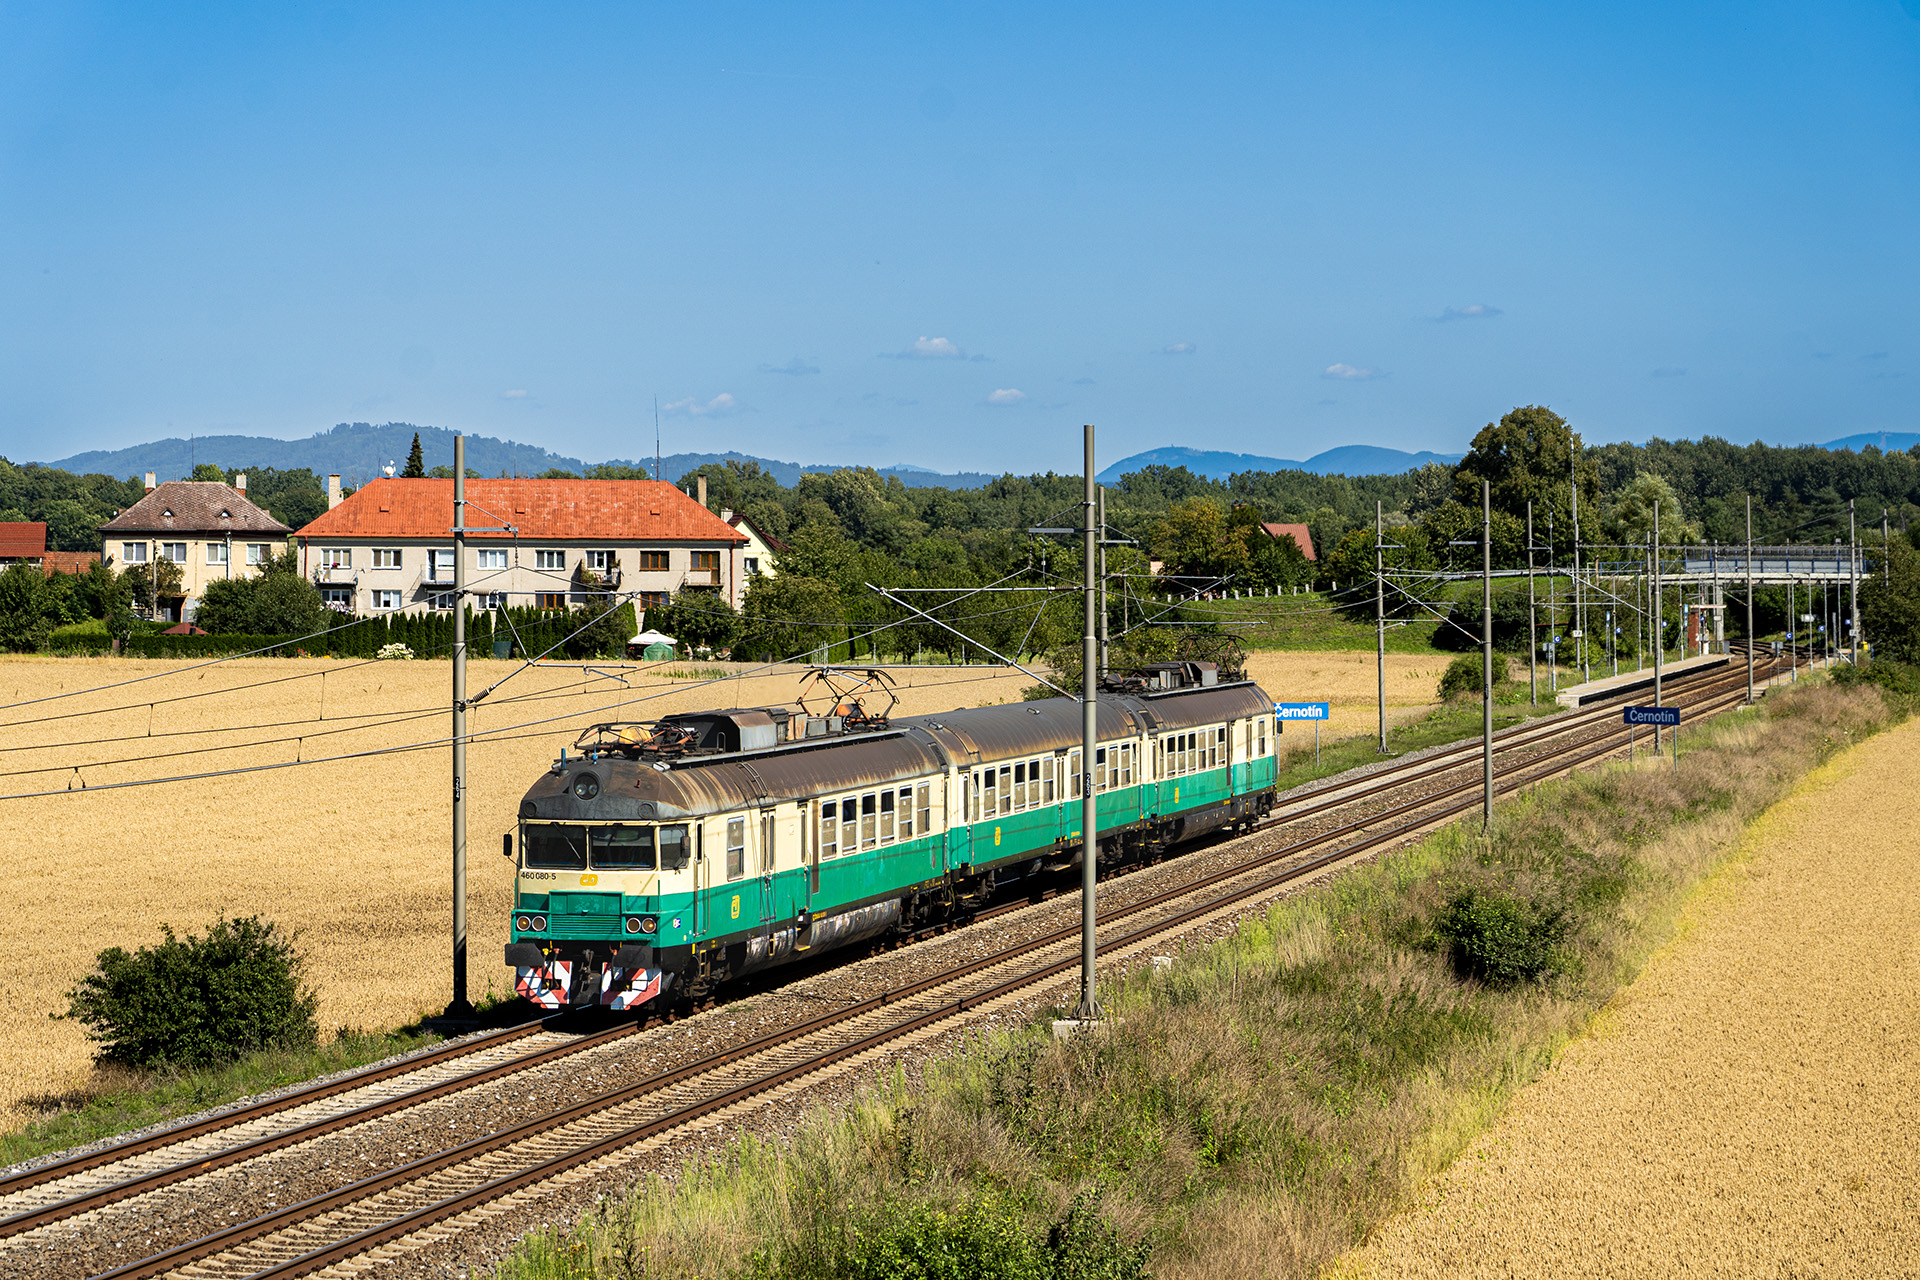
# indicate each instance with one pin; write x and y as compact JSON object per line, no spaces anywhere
{"x":416,"y":468}
{"x":1527,"y":456}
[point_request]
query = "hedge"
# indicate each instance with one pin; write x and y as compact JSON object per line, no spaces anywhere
{"x":429,"y":635}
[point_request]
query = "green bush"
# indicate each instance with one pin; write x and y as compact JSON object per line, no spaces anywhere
{"x":197,"y":1002}
{"x":985,"y":1238}
{"x":1463,"y":675}
{"x":1502,"y":939}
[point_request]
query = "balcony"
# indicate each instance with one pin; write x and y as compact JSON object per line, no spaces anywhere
{"x":335,"y":576}
{"x":586,"y":579}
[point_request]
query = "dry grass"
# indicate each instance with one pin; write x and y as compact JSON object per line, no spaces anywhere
{"x":1350,"y":682}
{"x":353,"y":854}
{"x":1260,"y":1106}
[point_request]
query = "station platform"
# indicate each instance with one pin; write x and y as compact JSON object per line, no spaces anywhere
{"x":1580,"y":695}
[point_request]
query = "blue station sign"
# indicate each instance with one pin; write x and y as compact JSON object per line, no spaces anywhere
{"x":1303,"y":710}
{"x":1668,"y":716}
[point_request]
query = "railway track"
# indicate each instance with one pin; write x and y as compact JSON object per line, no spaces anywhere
{"x":375,"y":1210}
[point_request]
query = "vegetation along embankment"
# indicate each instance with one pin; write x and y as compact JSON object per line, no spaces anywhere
{"x":1257,"y":1108}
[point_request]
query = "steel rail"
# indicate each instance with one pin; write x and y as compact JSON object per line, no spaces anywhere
{"x":265,"y":1225}
{"x":58,"y":1169}
{"x":269,"y":1143}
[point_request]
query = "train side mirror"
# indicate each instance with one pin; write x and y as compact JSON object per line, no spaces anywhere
{"x":506,"y":845}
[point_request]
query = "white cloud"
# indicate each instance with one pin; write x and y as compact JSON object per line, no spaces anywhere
{"x":518,"y":394}
{"x":718,"y":407}
{"x":1669,"y":371}
{"x":795,"y":367}
{"x":1179,"y":349}
{"x":1350,"y":373}
{"x":1476,"y":311}
{"x":1006,"y":396}
{"x":925,"y":348}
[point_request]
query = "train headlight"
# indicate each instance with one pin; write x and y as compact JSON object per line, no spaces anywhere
{"x":633,"y":924}
{"x":646,"y":924}
{"x":523,"y":923}
{"x":586,"y":786}
{"x":539,"y":924}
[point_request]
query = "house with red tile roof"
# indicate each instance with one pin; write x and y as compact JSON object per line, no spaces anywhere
{"x":1301,"y":535}
{"x":207,"y":528}
{"x":553,"y":544}
{"x":22,"y":540}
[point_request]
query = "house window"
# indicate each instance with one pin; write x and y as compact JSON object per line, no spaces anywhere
{"x":174,"y":551}
{"x":386,"y":599}
{"x":386,"y":557}
{"x":259,"y":552}
{"x":752,"y":566}
{"x":550,"y":600}
{"x":495,"y":600}
{"x":217,"y":553}
{"x":550,"y":560}
{"x":653,"y":560}
{"x":339,"y":599}
{"x":493,"y":558}
{"x":336,"y":557}
{"x":133,"y":553}
{"x":600,"y":561}
{"x":652,"y":599}
{"x":440,"y":565}
{"x":736,"y":848}
{"x":707,"y":562}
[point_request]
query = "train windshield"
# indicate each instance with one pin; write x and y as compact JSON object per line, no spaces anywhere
{"x":552,"y":846}
{"x":622,"y":846}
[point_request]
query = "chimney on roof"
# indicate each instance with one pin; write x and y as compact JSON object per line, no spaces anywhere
{"x":726,"y":513}
{"x":333,"y":491}
{"x":151,"y":486}
{"x":240,"y":483}
{"x":702,"y":479}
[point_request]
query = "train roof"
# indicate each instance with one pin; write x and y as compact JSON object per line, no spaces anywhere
{"x":644,"y":790}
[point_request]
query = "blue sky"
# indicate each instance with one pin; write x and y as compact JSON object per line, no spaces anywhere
{"x":947,"y":236}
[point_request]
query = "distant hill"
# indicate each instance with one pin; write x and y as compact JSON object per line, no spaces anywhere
{"x":1348,"y":459}
{"x":1885,"y":441}
{"x":358,"y":451}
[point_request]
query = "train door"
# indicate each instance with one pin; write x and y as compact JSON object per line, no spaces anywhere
{"x":768,"y":827}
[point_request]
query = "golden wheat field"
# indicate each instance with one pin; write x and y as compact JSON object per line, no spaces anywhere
{"x":352,"y":852}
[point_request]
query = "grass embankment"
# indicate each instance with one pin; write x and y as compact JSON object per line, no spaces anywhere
{"x":1311,"y":622}
{"x":1257,"y":1108}
{"x":118,"y":1100}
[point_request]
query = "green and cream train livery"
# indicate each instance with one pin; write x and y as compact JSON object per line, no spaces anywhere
{"x":660,"y":860}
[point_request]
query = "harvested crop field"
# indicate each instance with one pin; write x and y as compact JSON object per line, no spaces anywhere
{"x":1747,"y":1107}
{"x":1349,"y":681}
{"x":353,"y":853}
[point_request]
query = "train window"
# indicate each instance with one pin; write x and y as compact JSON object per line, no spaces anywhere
{"x":868,"y":827}
{"x":1020,"y":786}
{"x":923,"y":802}
{"x":1219,"y":746}
{"x":1262,"y":723}
{"x":1073,"y":772}
{"x":991,"y":796}
{"x":886,"y":817}
{"x":554,"y":847}
{"x":736,"y":848}
{"x":621,"y":847}
{"x":676,"y":850}
{"x":1126,"y":764}
{"x":906,"y":813}
{"x":1046,"y":776}
{"x":829,"y":828}
{"x":849,"y":825}
{"x":976,"y":797}
{"x":767,"y":825}
{"x":1099,"y":769}
{"x":1006,"y":788}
